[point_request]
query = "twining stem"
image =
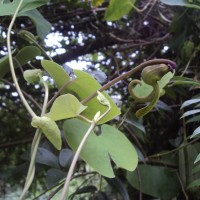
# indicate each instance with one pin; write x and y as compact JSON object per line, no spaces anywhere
{"x":24,"y":101}
{"x":35,"y":144}
{"x":78,"y":151}
{"x":75,"y":159}
{"x":128,"y":74}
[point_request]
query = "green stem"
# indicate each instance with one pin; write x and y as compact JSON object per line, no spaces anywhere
{"x":128,"y":74}
{"x":78,"y":151}
{"x":73,"y":164}
{"x":24,"y":101}
{"x":34,"y":147}
{"x":174,"y":150}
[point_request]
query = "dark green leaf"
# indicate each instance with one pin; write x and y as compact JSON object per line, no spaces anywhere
{"x":23,"y":56}
{"x":86,"y":189}
{"x":195,"y":183}
{"x":98,"y":150}
{"x":54,"y":176}
{"x":198,"y":158}
{"x":118,"y":186}
{"x":156,"y":181}
{"x":45,"y":157}
{"x":65,"y":157}
{"x":43,"y":27}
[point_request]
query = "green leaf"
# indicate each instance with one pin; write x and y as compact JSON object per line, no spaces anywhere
{"x":178,"y":80}
{"x":118,"y":186}
{"x":9,"y":8}
{"x":32,"y":75}
{"x":83,"y":86}
{"x":43,"y":27}
{"x":46,"y":157}
{"x":98,"y":150}
{"x":156,"y":181}
{"x":64,"y":107}
{"x":180,"y":3}
{"x":58,"y":74}
{"x":96,"y":3}
{"x":189,"y":102}
{"x":193,"y":119}
{"x":196,"y":169}
{"x":117,"y":9}
{"x":65,"y":157}
{"x":197,"y":159}
{"x":145,"y":89}
{"x":195,"y":133}
{"x":195,"y":183}
{"x":191,"y":112}
{"x":49,"y":128}
{"x":23,"y":56}
{"x":54,"y":176}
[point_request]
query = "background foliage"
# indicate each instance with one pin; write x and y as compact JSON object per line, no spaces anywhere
{"x":111,"y":37}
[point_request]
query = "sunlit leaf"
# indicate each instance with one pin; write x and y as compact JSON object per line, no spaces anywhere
{"x":98,"y":150}
{"x":117,"y":9}
{"x":82,"y":86}
{"x":64,"y":107}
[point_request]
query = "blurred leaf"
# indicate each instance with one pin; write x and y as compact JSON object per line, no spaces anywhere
{"x":9,"y":8}
{"x":83,"y":86}
{"x":178,"y":80}
{"x":180,"y":3}
{"x":189,"y":102}
{"x":83,"y":190}
{"x":45,"y":157}
{"x":65,"y":106}
{"x":53,"y":176}
{"x":191,"y":112}
{"x":196,"y":169}
{"x":195,"y":133}
{"x":163,"y":106}
{"x":65,"y":157}
{"x":96,"y":3}
{"x":156,"y":181}
{"x":198,"y":158}
{"x":43,"y":27}
{"x":98,"y":150}
{"x":101,"y":196}
{"x":195,"y":183}
{"x":136,"y":123}
{"x":193,"y":119}
{"x":118,"y":186}
{"x":23,"y":56}
{"x":117,"y":9}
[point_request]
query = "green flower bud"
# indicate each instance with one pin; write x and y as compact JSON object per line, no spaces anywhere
{"x":154,"y":73}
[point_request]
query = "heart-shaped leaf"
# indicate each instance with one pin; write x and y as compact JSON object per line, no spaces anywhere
{"x":83,"y":86}
{"x":98,"y":150}
{"x":65,"y":106}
